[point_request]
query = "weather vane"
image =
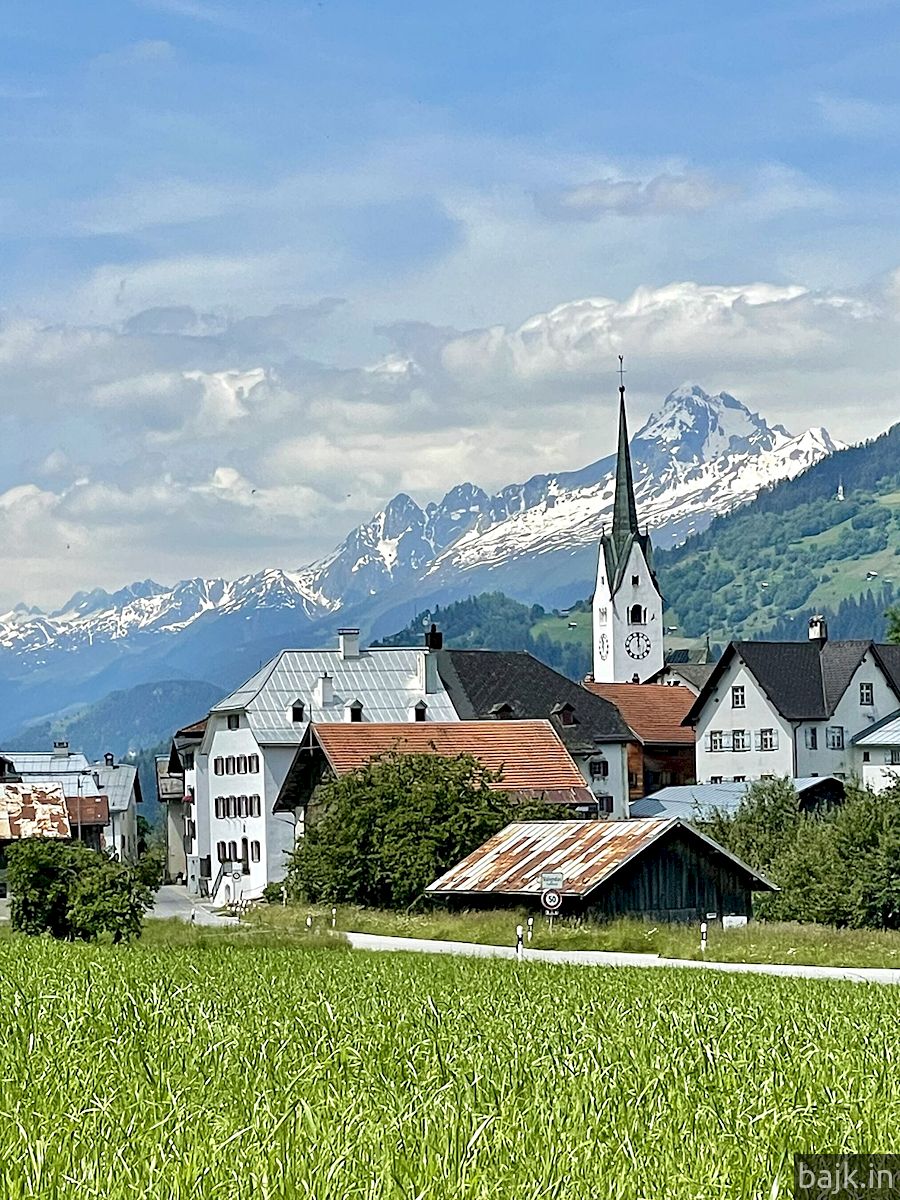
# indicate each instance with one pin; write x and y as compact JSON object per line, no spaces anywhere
{"x":621,"y":375}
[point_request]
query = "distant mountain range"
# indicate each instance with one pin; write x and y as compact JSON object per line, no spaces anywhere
{"x":697,"y":457}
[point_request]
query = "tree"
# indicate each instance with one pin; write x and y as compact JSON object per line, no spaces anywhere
{"x":893,"y":624}
{"x":380,"y":835}
{"x":764,"y":824}
{"x":70,"y":891}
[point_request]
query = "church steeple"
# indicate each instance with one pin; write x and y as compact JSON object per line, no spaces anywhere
{"x":625,"y":522}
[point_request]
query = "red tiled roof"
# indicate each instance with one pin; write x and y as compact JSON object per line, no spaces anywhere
{"x":653,"y":710}
{"x":87,"y":810}
{"x":198,"y":728}
{"x":530,"y":753}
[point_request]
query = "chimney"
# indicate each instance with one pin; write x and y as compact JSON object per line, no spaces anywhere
{"x":349,"y":643}
{"x":818,"y":629}
{"x":60,"y":749}
{"x":109,"y":759}
{"x":434,"y":639}
{"x":324,"y":690}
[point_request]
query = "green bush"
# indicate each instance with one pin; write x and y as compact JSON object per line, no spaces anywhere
{"x":70,"y":891}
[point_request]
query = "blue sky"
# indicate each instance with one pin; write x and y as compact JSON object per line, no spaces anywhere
{"x":376,"y":222}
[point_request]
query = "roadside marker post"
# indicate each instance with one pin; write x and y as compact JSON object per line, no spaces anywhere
{"x":530,"y":927}
{"x":309,"y":922}
{"x":703,"y":930}
{"x":520,"y":948}
{"x":333,"y":917}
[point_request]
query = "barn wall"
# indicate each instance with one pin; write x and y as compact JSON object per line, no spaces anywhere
{"x":676,"y":879}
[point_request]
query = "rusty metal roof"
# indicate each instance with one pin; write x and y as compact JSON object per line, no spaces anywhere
{"x":529,"y":753}
{"x":587,"y":853}
{"x":28,"y":811}
{"x":88,"y":810}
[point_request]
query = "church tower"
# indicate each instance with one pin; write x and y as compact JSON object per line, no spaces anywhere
{"x":627,"y":606}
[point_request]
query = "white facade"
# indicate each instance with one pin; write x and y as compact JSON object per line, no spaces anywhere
{"x":742,"y":735}
{"x":627,"y":623}
{"x":252,"y":738}
{"x":612,"y":758}
{"x":877,"y":754}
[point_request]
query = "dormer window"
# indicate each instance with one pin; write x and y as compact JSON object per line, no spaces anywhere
{"x":355,"y":709}
{"x":635,"y":580}
{"x":420,"y":711}
{"x":565,"y":712}
{"x":298,"y":712}
{"x":502,"y":711}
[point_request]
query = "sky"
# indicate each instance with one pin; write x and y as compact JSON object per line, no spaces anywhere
{"x":266,"y":263}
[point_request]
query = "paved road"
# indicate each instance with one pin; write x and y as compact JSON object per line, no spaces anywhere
{"x":600,"y":958}
{"x":172,"y":901}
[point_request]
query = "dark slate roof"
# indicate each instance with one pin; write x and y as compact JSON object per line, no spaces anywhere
{"x":804,"y":680}
{"x":478,"y":681}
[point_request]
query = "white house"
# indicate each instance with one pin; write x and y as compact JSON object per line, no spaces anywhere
{"x":176,"y":788}
{"x":792,"y":708}
{"x":627,"y":606}
{"x":120,"y":784}
{"x":877,"y":753}
{"x":252,"y":736}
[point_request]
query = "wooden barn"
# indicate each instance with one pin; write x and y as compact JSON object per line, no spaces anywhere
{"x":658,"y":870}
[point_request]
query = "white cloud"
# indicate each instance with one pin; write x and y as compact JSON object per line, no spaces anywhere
{"x":664,"y":194}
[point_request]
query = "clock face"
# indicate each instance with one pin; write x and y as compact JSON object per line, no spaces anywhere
{"x":637,"y":645}
{"x":603,"y":646}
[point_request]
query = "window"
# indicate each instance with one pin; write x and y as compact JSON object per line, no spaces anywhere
{"x":356,"y":711}
{"x":737,"y":697}
{"x":605,"y":804}
{"x":599,"y":768}
{"x":866,"y":756}
{"x":232,"y":851}
{"x":253,"y":763}
{"x":718,"y":740}
{"x":187,"y":760}
{"x":739,"y":739}
{"x":221,"y":853}
{"x":298,"y":708}
{"x":218,"y":766}
{"x":636,"y":615}
{"x":635,"y":580}
{"x":245,"y":856}
{"x":255,"y":806}
{"x":234,"y":721}
{"x":834,"y":737}
{"x":893,"y":757}
{"x":601,"y":615}
{"x":241,"y":763}
{"x":715,"y":779}
{"x":229,"y":765}
{"x":632,"y":778}
{"x":867,"y":693}
{"x":811,"y":736}
{"x":740,"y":779}
{"x":254,"y":851}
{"x":220,"y":807}
{"x":229,"y":807}
{"x":768,"y":739}
{"x":243,"y":806}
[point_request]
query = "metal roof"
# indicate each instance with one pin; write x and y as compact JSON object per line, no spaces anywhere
{"x":28,"y":810}
{"x":885,"y":733}
{"x":586,"y":853}
{"x":83,"y":784}
{"x":47,"y":763}
{"x":696,"y":799}
{"x":386,"y":681}
{"x":117,"y":783}
{"x":529,"y":754}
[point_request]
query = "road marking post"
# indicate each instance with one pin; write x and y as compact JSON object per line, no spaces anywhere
{"x":520,"y":948}
{"x":333,"y":917}
{"x":703,"y":931}
{"x":530,"y":927}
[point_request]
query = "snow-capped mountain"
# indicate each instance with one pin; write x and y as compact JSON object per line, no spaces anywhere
{"x":698,"y":456}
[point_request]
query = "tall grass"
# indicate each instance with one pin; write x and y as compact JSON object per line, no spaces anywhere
{"x":230,"y":1070}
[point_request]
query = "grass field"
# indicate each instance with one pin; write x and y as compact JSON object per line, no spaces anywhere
{"x":760,"y":943}
{"x":229,"y":1071}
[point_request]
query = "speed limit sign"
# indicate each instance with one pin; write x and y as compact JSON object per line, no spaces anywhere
{"x":551,"y":899}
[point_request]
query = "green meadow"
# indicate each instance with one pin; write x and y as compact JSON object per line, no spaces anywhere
{"x":220,"y":1069}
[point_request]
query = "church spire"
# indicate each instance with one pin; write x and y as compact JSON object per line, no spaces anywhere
{"x":624,"y":523}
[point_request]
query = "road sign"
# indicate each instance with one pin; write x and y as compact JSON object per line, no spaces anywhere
{"x":552,"y":881}
{"x":551,"y":899}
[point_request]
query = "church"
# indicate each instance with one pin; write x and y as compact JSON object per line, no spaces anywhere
{"x":627,"y":607}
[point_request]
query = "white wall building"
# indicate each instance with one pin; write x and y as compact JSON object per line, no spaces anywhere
{"x":252,"y":736}
{"x":877,"y":753}
{"x":792,"y":708}
{"x":627,"y":606}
